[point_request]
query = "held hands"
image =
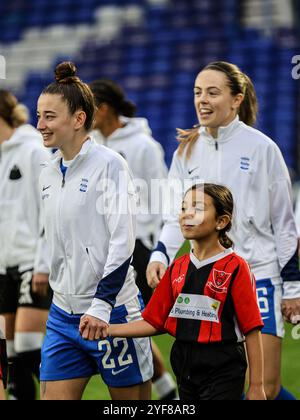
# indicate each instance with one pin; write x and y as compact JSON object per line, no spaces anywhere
{"x":155,"y":272}
{"x":291,"y":310}
{"x":40,"y":283}
{"x":92,"y":328}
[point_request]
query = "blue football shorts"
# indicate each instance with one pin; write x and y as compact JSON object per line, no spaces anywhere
{"x":269,"y":294}
{"x":121,"y":362}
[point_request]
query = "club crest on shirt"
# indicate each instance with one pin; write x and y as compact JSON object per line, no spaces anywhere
{"x":83,"y":185}
{"x":220,"y":279}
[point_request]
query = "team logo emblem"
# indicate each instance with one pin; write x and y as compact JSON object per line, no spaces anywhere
{"x":220,"y":280}
{"x":84,"y":185}
{"x":245,"y":163}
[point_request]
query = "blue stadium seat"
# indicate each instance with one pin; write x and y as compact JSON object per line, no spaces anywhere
{"x":157,"y":62}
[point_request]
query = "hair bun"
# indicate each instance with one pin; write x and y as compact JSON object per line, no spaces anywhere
{"x":65,"y":70}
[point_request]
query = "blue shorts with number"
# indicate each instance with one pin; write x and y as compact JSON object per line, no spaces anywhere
{"x":121,"y":362}
{"x":269,"y":294}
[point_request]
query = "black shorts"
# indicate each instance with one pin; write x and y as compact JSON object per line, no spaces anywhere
{"x":209,"y":371}
{"x":141,"y":256}
{"x":16,"y":292}
{"x":3,"y":362}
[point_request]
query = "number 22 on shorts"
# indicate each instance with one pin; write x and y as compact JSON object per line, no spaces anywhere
{"x":108,"y":362}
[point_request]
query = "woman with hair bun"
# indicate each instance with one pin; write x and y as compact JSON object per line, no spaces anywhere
{"x":227,"y":149}
{"x":116,"y":127}
{"x":89,"y":202}
{"x":24,"y":292}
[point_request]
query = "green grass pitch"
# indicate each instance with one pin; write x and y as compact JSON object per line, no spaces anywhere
{"x":96,"y":390}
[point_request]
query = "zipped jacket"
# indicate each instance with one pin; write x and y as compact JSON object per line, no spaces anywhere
{"x":90,"y":231}
{"x":21,"y":227}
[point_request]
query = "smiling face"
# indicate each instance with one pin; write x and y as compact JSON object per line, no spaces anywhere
{"x":215,"y":105}
{"x":55,"y":122}
{"x":198,"y":217}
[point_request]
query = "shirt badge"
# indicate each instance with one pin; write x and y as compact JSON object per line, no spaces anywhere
{"x":83,"y":185}
{"x":245,"y":163}
{"x":220,"y":279}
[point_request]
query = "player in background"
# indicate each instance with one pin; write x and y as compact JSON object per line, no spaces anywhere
{"x":89,"y":203}
{"x":225,"y":149}
{"x":24,"y":290}
{"x":116,"y":128}
{"x":207,"y":301}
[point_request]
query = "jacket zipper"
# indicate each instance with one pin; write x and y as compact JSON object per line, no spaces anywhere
{"x":60,"y":230}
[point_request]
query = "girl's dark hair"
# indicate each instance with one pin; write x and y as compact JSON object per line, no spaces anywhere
{"x":238,"y":82}
{"x":223,"y":203}
{"x":107,"y":91}
{"x":12,"y":112}
{"x":74,"y":92}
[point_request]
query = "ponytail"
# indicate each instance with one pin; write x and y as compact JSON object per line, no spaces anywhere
{"x":20,"y":115}
{"x":224,"y":239}
{"x":107,"y":91}
{"x":187,"y":138}
{"x":127,"y":109}
{"x":249,"y":107}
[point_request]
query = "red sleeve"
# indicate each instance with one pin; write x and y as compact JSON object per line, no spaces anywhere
{"x":245,"y":300}
{"x":161,"y":303}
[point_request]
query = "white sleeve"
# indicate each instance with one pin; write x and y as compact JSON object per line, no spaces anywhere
{"x":171,"y":238}
{"x":297,"y":214}
{"x":42,"y":258}
{"x":283,"y":224}
{"x":155,"y":175}
{"x":121,"y":227}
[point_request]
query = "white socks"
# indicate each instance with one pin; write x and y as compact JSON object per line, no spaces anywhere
{"x":164,"y":385}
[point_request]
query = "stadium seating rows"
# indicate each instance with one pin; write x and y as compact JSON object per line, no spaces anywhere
{"x":157,"y":61}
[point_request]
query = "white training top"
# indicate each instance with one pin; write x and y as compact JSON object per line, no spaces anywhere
{"x":90,"y":231}
{"x":297,"y":213}
{"x":145,"y":158}
{"x":252,"y":167}
{"x":21,"y":227}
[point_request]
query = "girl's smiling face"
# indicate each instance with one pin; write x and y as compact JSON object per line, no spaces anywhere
{"x":198,"y":218}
